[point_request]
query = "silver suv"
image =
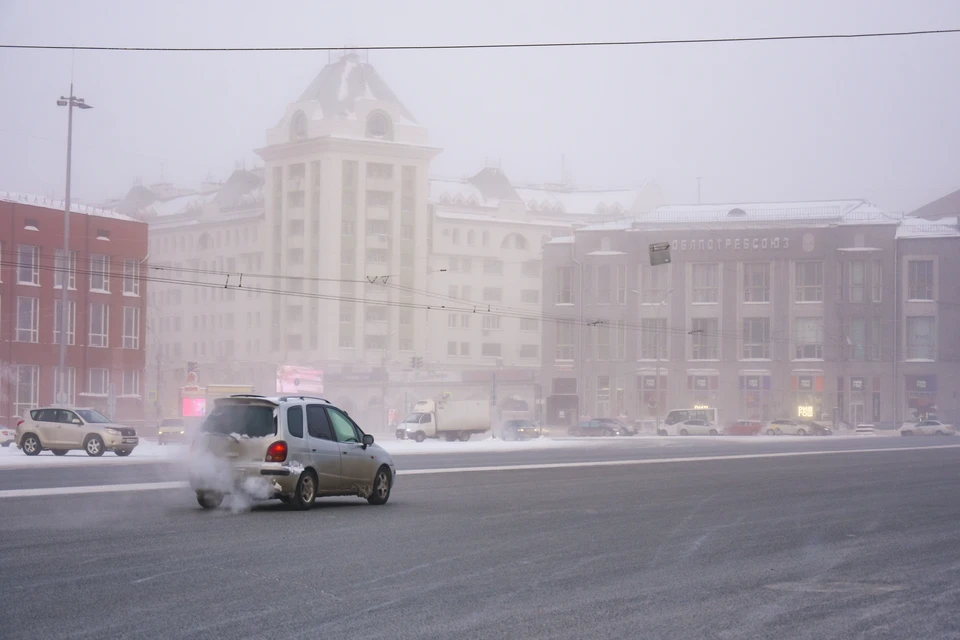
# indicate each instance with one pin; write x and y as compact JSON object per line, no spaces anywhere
{"x":61,"y":429}
{"x":294,"y":448}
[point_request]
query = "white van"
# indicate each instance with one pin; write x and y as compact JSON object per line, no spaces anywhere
{"x":669,"y":427}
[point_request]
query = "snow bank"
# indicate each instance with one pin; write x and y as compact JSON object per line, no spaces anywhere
{"x":145,"y":453}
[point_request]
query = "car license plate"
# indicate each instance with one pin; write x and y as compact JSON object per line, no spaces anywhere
{"x":129,"y":441}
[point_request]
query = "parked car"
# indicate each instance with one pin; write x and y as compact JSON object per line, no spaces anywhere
{"x":789,"y":427}
{"x":518,"y":429}
{"x":8,"y":435}
{"x":927,"y":428}
{"x":746,"y":428}
{"x":292,"y":448}
{"x":625,"y":429}
{"x":64,"y":429}
{"x":171,"y":430}
{"x":698,"y":428}
{"x":595,"y":427}
{"x":816,"y":428}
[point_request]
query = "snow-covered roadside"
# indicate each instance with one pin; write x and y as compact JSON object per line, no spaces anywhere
{"x":490,"y":445}
{"x":147,"y":452}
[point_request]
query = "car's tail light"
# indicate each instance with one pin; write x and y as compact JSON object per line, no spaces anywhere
{"x":277,"y":452}
{"x":19,"y":422}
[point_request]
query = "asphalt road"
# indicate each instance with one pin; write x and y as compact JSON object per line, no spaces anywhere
{"x":847,"y":545}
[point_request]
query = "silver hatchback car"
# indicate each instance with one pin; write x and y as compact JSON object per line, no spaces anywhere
{"x":293,"y":448}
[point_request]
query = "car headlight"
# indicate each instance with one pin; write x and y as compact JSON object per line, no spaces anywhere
{"x":113,"y":432}
{"x":181,"y":433}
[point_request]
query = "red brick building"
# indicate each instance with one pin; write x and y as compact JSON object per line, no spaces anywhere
{"x":106,"y":293}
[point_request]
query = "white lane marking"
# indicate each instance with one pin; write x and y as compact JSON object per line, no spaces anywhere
{"x":155,"y":486}
{"x":103,"y":488}
{"x":623,"y":463}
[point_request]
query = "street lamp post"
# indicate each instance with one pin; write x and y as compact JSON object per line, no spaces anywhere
{"x":68,"y":102}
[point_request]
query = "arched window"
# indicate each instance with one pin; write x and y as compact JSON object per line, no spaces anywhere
{"x":520,"y":242}
{"x":204,"y":242}
{"x":379,"y":125}
{"x":470,"y":238}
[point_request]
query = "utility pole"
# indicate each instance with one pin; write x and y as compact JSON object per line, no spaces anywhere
{"x":69,"y":103}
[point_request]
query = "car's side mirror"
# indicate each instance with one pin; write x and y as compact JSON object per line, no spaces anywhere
{"x":76,"y":421}
{"x":367,"y":440}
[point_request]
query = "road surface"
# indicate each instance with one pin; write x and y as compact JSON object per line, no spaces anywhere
{"x":860,"y":542}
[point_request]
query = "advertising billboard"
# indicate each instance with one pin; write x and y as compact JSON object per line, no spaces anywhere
{"x":295,"y":379}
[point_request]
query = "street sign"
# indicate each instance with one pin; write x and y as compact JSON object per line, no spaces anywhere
{"x":659,"y":253}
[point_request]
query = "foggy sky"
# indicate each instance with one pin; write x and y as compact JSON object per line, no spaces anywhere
{"x":778,"y":121}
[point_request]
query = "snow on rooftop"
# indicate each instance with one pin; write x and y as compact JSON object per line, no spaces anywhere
{"x":921,"y":228}
{"x":479,"y":217}
{"x":454,"y":191}
{"x":562,"y":240}
{"x":183,"y":204}
{"x":574,"y":201}
{"x":58,"y":205}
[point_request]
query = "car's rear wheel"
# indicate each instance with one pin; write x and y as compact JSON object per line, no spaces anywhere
{"x":209,"y":499}
{"x":714,"y":432}
{"x":420,"y":437}
{"x":939,"y":433}
{"x":607,"y":433}
{"x":382,"y":484}
{"x":464,"y":436}
{"x":123,"y":452}
{"x":59,"y":452}
{"x":771,"y":432}
{"x":906,"y":433}
{"x":93,"y":445}
{"x":31,"y":445}
{"x":684,"y":432}
{"x":306,"y":493}
{"x":801,"y":432}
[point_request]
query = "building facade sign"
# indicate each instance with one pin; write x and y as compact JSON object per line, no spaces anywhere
{"x":735,"y":244}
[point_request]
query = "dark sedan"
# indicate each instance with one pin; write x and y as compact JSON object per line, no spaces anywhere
{"x":519,"y":430}
{"x":597,"y":427}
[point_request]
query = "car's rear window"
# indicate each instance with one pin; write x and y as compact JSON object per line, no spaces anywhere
{"x":254,"y":421}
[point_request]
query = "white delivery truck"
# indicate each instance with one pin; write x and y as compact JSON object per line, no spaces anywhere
{"x":448,"y":419}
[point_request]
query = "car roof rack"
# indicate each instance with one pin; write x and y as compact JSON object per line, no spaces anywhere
{"x":245,"y":395}
{"x":302,"y":397}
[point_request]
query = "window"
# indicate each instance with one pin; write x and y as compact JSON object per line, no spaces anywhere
{"x":653,"y":334}
{"x":486,"y":238}
{"x":295,"y":313}
{"x":756,"y":338}
{"x":492,"y":266}
{"x":131,"y":327}
{"x":98,"y":382}
{"x":28,"y":319}
{"x":71,"y":386}
{"x":471,"y":239}
{"x":706,"y":283}
{"x":346,"y":313}
{"x":378,"y":341}
{"x":131,"y":278}
{"x":705,"y":341}
{"x":343,"y":427}
{"x":379,"y":199}
{"x":376,"y":313}
{"x":295,"y":256}
{"x":603,"y":284}
{"x":621,"y":340}
{"x":492,"y":294}
{"x":565,"y":337}
{"x":875,"y":336}
{"x":452,"y":320}
{"x":28,"y":264}
{"x":465,"y":348}
{"x":530,"y":296}
{"x":451,"y":348}
{"x":295,"y":421}
{"x":377,"y":256}
{"x":491,"y":323}
{"x":379,"y":170}
{"x":99,"y":325}
{"x":347,"y":228}
{"x":920,"y":280}
{"x":920,"y":338}
{"x":857,"y":280}
{"x":490,"y":349}
{"x":808,"y":338}
{"x":28,"y":388}
{"x":377,"y":228}
{"x":465,"y":320}
{"x":565,"y":285}
{"x":621,"y":284}
{"x":346,"y":256}
{"x":809,"y":281}
{"x":529,"y":324}
{"x":654,"y":283}
{"x":318,"y":425}
{"x":876,"y":281}
{"x":62,"y":268}
{"x":456,"y":236}
{"x":131,"y":383}
{"x":856,"y":339}
{"x":529,"y":351}
{"x":602,"y":333}
{"x":71,"y":321}
{"x":530,"y":269}
{"x":756,"y":282}
{"x":100,"y":273}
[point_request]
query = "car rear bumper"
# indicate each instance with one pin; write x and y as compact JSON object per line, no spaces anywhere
{"x":264,"y":480}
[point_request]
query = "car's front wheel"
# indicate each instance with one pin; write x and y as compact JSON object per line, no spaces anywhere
{"x":306,"y":493}
{"x":93,"y":445}
{"x":607,"y":433}
{"x":382,"y":484}
{"x":771,"y":432}
{"x":420,"y":437}
{"x":31,"y":445}
{"x":464,"y":436}
{"x":209,"y":499}
{"x":714,"y":432}
{"x":801,"y":432}
{"x":906,"y":433}
{"x":684,"y":432}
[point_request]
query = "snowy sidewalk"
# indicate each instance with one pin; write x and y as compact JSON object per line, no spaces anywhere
{"x":146,"y":452}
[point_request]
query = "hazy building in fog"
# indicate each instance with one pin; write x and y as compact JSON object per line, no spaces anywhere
{"x":767,"y":310}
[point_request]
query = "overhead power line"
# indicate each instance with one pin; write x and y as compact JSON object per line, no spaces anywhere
{"x":501,"y":45}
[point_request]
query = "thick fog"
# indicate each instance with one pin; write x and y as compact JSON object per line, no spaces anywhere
{"x":862,"y":118}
